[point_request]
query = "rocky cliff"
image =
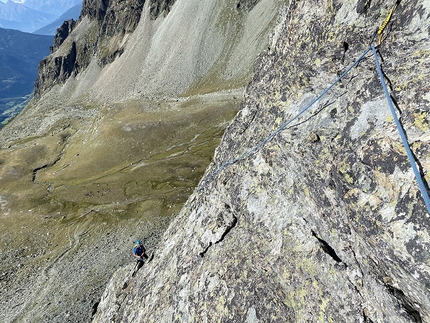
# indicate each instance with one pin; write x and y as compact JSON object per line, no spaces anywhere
{"x":324,"y":222}
{"x":129,"y":108}
{"x":107,"y":20}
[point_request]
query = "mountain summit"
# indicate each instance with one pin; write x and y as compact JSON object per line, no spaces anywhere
{"x":53,"y":7}
{"x":18,"y":16}
{"x":30,"y":15}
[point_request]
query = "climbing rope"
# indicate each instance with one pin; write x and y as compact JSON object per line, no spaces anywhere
{"x":418,"y":177}
{"x":411,"y":158}
{"x":386,"y":21}
{"x":273,"y":134}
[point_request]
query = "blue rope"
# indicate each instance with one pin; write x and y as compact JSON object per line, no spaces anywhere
{"x":282,"y":127}
{"x":402,"y":134}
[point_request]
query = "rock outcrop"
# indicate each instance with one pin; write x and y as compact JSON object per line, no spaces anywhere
{"x":62,"y":33}
{"x":160,"y":7}
{"x":128,"y":111}
{"x":324,"y":222}
{"x":109,"y":21}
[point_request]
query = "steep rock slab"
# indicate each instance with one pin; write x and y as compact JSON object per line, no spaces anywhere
{"x":325,"y":222}
{"x":92,"y":163}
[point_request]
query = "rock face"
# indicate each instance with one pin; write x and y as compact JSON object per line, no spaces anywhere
{"x":325,"y":221}
{"x":128,"y":112}
{"x":62,"y":33}
{"x":108,"y":19}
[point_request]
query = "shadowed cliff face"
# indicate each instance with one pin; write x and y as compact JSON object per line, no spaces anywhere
{"x":325,"y":222}
{"x":109,"y":22}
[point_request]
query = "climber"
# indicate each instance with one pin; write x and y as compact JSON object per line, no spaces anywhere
{"x":139,"y":252}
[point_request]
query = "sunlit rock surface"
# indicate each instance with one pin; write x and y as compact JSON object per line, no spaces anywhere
{"x":325,"y":222}
{"x":128,"y":111}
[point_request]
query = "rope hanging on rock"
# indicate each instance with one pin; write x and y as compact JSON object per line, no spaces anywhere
{"x":386,"y":21}
{"x":282,"y":127}
{"x":418,"y":177}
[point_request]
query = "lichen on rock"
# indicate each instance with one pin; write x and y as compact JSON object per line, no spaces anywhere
{"x":121,"y":130}
{"x":329,"y":223}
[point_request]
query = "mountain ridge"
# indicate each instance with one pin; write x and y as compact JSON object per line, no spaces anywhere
{"x":51,"y":29}
{"x":30,"y":16}
{"x":17,"y":16}
{"x":55,"y":8}
{"x":19,"y":55}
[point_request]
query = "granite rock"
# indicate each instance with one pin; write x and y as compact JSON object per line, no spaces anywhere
{"x":325,"y":221}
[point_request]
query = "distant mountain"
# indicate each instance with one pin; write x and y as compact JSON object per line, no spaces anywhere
{"x":20,"y":54}
{"x":18,"y":16}
{"x":51,"y":29}
{"x":54,"y":7}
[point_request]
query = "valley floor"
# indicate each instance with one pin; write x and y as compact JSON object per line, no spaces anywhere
{"x":73,"y":200}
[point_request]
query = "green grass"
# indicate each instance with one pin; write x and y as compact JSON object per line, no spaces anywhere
{"x":135,"y":162}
